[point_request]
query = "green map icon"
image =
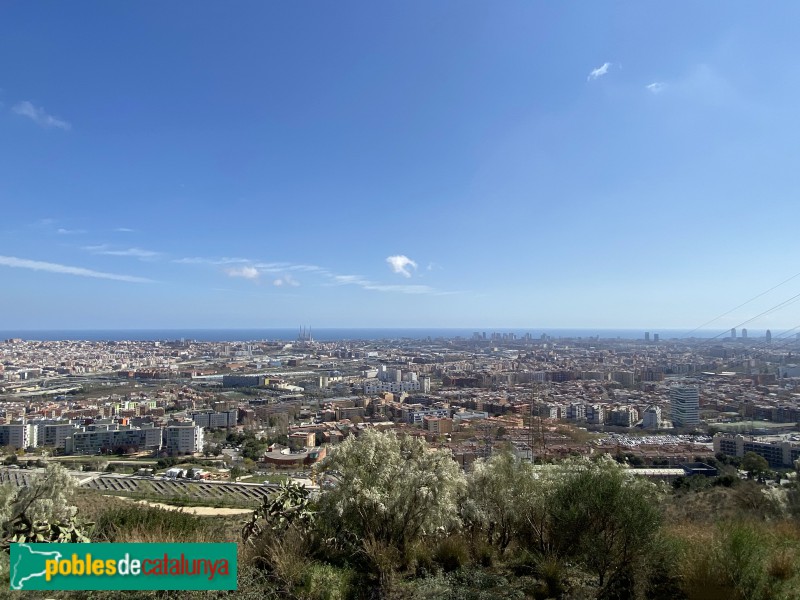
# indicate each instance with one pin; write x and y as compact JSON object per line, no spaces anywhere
{"x":28,"y":564}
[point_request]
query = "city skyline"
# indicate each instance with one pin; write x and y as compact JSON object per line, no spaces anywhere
{"x":416,"y":166}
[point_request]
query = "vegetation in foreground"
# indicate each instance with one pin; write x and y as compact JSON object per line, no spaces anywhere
{"x":402,"y":521}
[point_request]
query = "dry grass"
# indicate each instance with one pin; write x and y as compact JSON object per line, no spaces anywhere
{"x":738,"y":560}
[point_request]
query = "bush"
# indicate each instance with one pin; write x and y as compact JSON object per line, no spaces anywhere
{"x":604,"y":518}
{"x":325,"y":582}
{"x":552,"y":573}
{"x":391,"y":489}
{"x":419,"y":558}
{"x":451,"y":553}
{"x":138,"y":523}
{"x":725,"y":481}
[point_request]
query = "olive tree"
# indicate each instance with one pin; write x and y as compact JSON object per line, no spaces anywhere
{"x":501,"y":497}
{"x":47,"y":497}
{"x":391,"y":488}
{"x":604,"y":517}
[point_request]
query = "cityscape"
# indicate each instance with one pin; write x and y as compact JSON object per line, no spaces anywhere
{"x":653,"y":400}
{"x":226,"y":429}
{"x":429,"y":300}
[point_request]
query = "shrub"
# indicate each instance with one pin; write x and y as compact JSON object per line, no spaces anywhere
{"x":138,"y":523}
{"x":325,"y":582}
{"x":550,"y":570}
{"x":451,"y":553}
{"x":392,"y":489}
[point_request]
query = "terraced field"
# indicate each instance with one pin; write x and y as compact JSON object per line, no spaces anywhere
{"x":211,"y":493}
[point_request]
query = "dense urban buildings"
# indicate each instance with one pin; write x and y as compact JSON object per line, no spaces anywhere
{"x":546,"y":397}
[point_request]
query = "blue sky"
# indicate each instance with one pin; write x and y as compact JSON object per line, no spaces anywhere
{"x":403,"y":164}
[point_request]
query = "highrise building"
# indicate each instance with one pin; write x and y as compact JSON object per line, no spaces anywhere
{"x":733,"y":333}
{"x":646,"y":336}
{"x":744,"y":334}
{"x":655,"y":337}
{"x":685,"y":402}
{"x":769,"y":336}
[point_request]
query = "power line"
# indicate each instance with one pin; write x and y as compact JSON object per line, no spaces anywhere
{"x":756,"y":297}
{"x":778,"y":306}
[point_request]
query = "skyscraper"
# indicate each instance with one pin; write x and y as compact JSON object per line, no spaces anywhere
{"x":769,"y":336}
{"x":733,"y":333}
{"x":685,"y":402}
{"x":646,"y":336}
{"x":744,"y":333}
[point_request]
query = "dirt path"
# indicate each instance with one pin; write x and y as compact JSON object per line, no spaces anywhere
{"x":202,"y":511}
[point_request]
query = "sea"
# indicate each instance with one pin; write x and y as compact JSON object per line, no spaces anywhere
{"x":338,"y":334}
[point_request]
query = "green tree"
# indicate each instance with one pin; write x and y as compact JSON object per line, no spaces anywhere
{"x":499,"y":492}
{"x":392,"y":489}
{"x":605,"y":518}
{"x":755,"y":464}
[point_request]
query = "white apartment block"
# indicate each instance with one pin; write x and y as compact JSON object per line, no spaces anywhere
{"x":214,"y":420}
{"x":53,"y":433}
{"x":183,"y":439}
{"x":375,"y":386}
{"x":113,"y":438}
{"x":19,"y":435}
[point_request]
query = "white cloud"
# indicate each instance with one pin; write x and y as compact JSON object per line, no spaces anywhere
{"x":124,"y":230}
{"x":380,"y":287}
{"x":262,"y":267}
{"x":599,"y":71}
{"x":282,"y":271}
{"x":286,"y":280}
{"x":35,"y":265}
{"x":346,"y":279}
{"x":197,"y":260}
{"x":401,"y":289}
{"x":62,"y":231}
{"x":39,"y":116}
{"x":400,"y":264}
{"x":656,"y":87}
{"x":245,"y":272}
{"x":134,"y":252}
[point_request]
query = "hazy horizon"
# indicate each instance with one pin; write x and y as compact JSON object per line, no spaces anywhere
{"x":328,"y":334}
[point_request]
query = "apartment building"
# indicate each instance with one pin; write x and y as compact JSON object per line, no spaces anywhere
{"x":19,"y":435}
{"x":779,"y":452}
{"x":210,"y":419}
{"x":184,"y":438}
{"x":113,"y":438}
